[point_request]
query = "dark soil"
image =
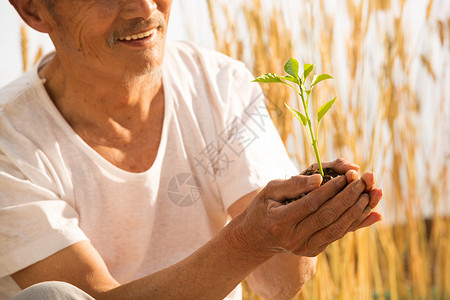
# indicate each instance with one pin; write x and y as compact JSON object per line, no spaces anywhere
{"x":329,"y":174}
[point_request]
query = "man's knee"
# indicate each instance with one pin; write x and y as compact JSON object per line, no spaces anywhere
{"x":52,"y":290}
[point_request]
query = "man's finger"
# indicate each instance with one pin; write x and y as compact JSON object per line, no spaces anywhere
{"x":340,"y":227}
{"x":369,"y":179}
{"x":351,"y":175}
{"x":333,"y":209}
{"x":316,"y":198}
{"x":282,"y":190}
{"x":375,"y":196}
{"x":371,"y":219}
{"x":361,"y":218}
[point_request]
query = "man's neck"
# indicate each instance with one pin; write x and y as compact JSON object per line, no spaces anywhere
{"x":121,"y":119}
{"x":90,"y":97}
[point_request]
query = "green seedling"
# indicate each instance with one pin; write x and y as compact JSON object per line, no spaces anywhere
{"x":291,"y":67}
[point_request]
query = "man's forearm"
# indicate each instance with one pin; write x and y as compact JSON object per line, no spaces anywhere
{"x":211,"y":272}
{"x":282,"y":276}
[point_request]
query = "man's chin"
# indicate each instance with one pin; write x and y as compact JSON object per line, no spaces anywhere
{"x":149,"y":75}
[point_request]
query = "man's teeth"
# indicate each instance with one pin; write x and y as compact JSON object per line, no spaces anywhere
{"x":137,"y":36}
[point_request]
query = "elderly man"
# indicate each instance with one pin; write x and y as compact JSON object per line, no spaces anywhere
{"x":121,"y":158}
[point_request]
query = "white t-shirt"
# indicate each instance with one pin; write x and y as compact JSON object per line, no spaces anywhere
{"x":218,"y":144}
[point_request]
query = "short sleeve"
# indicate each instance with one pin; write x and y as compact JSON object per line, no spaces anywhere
{"x":34,"y":222}
{"x":251,"y":148}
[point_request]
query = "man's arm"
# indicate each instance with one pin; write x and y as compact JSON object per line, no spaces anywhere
{"x":265,"y":228}
{"x":282,"y":276}
{"x":210,"y":273}
{"x":193,"y":278}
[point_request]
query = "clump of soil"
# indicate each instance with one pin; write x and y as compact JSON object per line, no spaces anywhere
{"x":329,"y":174}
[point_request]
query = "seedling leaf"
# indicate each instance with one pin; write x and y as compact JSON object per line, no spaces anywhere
{"x":291,"y":67}
{"x":267,"y":78}
{"x":298,"y":115}
{"x":308,"y":68}
{"x":319,"y":78}
{"x":290,"y":78}
{"x":324,"y":109}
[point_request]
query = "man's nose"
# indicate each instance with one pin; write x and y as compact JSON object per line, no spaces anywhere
{"x":132,"y":9}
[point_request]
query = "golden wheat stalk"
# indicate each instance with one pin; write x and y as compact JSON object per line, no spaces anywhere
{"x":24,"y":42}
{"x":24,"y":47}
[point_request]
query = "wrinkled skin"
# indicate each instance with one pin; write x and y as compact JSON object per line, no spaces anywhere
{"x":310,"y":224}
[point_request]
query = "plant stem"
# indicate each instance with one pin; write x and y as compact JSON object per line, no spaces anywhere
{"x":311,"y":132}
{"x":316,"y":150}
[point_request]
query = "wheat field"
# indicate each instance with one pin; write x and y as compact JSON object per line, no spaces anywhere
{"x":391,"y":63}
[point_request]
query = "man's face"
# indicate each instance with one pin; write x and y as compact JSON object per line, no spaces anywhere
{"x":111,"y":37}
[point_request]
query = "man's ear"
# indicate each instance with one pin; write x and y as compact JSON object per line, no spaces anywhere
{"x":33,"y":13}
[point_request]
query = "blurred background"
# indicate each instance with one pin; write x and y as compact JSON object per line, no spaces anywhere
{"x":391,"y":64}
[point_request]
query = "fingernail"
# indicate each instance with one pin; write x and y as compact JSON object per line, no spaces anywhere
{"x":368,"y":209}
{"x":352,"y":175}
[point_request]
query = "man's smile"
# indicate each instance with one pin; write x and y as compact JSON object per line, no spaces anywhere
{"x":138,"y":36}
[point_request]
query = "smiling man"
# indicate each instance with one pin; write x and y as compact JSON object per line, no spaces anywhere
{"x":121,"y":158}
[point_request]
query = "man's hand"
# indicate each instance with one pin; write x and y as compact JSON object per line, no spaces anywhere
{"x":308,"y":225}
{"x":342,"y":166}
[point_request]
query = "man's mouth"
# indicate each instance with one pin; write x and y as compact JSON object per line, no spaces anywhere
{"x":137,"y":36}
